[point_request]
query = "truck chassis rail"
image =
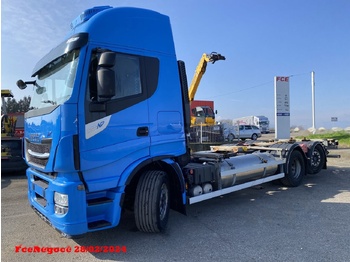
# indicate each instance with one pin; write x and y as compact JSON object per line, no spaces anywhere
{"x":220,"y":192}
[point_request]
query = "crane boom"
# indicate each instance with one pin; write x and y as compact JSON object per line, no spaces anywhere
{"x":200,"y":70}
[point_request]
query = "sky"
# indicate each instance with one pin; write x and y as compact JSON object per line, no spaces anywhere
{"x":260,"y":39}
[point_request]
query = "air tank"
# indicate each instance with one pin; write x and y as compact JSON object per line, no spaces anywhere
{"x":196,"y":191}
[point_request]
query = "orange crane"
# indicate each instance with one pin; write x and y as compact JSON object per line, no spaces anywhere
{"x":202,"y":114}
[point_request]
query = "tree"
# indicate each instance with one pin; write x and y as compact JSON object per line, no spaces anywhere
{"x":12,"y":106}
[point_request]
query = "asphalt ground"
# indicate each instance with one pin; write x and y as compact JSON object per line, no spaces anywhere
{"x":264,"y":223}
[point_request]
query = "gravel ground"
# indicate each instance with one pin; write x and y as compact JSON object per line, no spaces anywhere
{"x":344,"y":159}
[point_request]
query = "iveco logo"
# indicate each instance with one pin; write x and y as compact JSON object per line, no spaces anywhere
{"x":99,"y":125}
{"x":34,"y":137}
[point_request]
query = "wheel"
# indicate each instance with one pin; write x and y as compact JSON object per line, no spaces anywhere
{"x":254,"y":136}
{"x":152,"y":201}
{"x":317,"y":160}
{"x":295,"y":170}
{"x":230,"y":137}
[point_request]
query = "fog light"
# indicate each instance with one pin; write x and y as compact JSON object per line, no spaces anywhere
{"x":61,"y":199}
{"x":60,"y":210}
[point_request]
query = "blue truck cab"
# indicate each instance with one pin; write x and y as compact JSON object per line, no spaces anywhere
{"x":107,"y":124}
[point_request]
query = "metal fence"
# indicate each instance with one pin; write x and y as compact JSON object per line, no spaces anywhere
{"x":206,"y":134}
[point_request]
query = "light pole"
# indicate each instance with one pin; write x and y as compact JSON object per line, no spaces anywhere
{"x":313,"y":100}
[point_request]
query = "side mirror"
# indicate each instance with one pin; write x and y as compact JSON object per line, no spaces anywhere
{"x":106,"y":76}
{"x":21,"y":84}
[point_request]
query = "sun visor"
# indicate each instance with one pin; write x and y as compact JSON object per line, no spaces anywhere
{"x":74,"y":42}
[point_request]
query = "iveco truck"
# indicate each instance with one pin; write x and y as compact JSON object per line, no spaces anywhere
{"x":108,"y":130}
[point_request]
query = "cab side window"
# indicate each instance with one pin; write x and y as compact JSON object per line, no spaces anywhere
{"x":135,"y":80}
{"x":128,"y":79}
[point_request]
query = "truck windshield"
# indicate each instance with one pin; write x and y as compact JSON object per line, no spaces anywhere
{"x":54,"y":83}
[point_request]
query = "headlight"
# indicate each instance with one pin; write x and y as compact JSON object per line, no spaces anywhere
{"x":61,"y":203}
{"x":61,"y":199}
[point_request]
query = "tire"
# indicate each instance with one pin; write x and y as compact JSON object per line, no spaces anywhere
{"x":317,"y":160}
{"x":152,"y":202}
{"x":295,"y":171}
{"x":254,"y":136}
{"x":230,"y":137}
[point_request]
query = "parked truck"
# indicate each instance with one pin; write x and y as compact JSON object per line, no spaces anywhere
{"x":260,"y":121}
{"x":202,"y":112}
{"x":12,"y":132}
{"x":108,"y":131}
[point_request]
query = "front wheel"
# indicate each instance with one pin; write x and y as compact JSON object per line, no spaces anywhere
{"x":152,"y":202}
{"x":295,"y":170}
{"x":254,"y":137}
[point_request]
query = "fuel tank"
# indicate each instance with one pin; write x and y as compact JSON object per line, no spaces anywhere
{"x":240,"y":169}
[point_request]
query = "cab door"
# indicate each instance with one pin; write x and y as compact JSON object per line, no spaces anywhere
{"x":116,"y":119}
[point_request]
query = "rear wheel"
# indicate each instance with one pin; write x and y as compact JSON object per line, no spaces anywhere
{"x":152,"y":202}
{"x":295,"y":170}
{"x":254,"y":136}
{"x":230,"y":137}
{"x":317,"y":160}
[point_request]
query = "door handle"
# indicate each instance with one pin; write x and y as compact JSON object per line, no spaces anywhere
{"x":142,"y":131}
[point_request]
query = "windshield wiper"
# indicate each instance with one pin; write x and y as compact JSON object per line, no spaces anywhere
{"x":49,"y":102}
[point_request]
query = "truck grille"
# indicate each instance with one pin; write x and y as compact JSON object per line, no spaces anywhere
{"x":38,"y":153}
